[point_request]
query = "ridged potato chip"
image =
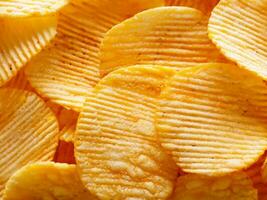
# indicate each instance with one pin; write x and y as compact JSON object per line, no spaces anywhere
{"x":238,"y":28}
{"x":20,"y":40}
{"x":235,"y":186}
{"x":28,"y":131}
{"x":212,"y":119}
{"x":65,"y":152}
{"x":67,"y":70}
{"x":115,"y":142}
{"x":169,"y":36}
{"x":30,"y":8}
{"x":254,"y":172}
{"x":205,"y":6}
{"x":47,"y":181}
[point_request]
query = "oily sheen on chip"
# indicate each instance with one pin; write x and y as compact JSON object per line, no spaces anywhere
{"x":46,"y":180}
{"x":66,"y":71}
{"x":212,"y":119}
{"x":170,"y":36}
{"x":28,"y":131}
{"x":115,"y":142}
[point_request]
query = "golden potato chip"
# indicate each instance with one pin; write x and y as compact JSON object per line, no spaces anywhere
{"x":205,"y":6}
{"x":254,"y":173}
{"x":46,"y":180}
{"x":20,"y":40}
{"x":115,"y":142}
{"x":29,"y":8}
{"x":238,"y":28}
{"x":235,"y":186}
{"x":212,"y":119}
{"x":67,"y":70}
{"x":65,"y":152}
{"x":169,"y":36}
{"x":28,"y":131}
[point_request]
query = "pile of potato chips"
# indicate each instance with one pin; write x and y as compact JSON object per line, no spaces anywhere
{"x":133,"y":99}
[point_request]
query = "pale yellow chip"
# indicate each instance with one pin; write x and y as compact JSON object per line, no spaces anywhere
{"x":30,"y":8}
{"x":67,"y":71}
{"x":20,"y":40}
{"x":46,"y":181}
{"x":254,"y":172}
{"x":206,"y":6}
{"x":65,"y":152}
{"x":235,"y":186}
{"x":28,"y":131}
{"x":213,"y":119}
{"x":169,"y":36}
{"x":238,"y":28}
{"x":115,"y":141}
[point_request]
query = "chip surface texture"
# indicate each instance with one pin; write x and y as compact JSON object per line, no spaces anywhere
{"x":173,"y":36}
{"x":28,"y":131}
{"x":212,"y":119}
{"x":116,"y":148}
{"x":238,"y":28}
{"x":46,"y":180}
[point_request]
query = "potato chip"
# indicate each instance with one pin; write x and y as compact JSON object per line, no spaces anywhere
{"x":46,"y":180}
{"x":65,"y":152}
{"x":115,"y":142}
{"x":169,"y":36}
{"x":67,"y":70}
{"x":20,"y":40}
{"x":236,"y":186}
{"x":238,"y":28}
{"x":205,"y":6}
{"x":28,"y":131}
{"x":29,"y":8}
{"x":254,"y":173}
{"x":212,"y":119}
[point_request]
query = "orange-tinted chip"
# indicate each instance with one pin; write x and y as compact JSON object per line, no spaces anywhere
{"x":115,"y":141}
{"x":169,"y":36}
{"x":205,"y":6}
{"x":235,"y":186}
{"x":28,"y":131}
{"x":254,"y":172}
{"x":20,"y":40}
{"x":213,"y":119}
{"x":46,"y":181}
{"x":238,"y":28}
{"x":19,"y":82}
{"x":65,"y":152}
{"x":67,"y":70}
{"x":30,"y":8}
